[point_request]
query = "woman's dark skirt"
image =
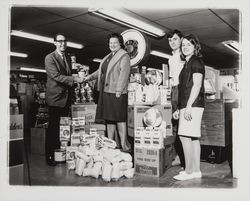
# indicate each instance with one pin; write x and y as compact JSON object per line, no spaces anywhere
{"x":111,"y":108}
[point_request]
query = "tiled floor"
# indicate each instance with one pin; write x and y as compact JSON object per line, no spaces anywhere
{"x":214,"y":176}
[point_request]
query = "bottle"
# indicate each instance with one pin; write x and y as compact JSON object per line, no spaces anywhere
{"x":74,"y":67}
{"x":143,"y":74}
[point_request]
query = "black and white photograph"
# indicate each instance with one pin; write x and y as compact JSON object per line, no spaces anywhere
{"x":124,"y":100}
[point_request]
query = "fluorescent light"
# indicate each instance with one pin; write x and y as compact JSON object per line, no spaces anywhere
{"x":97,"y":60}
{"x":42,"y":38}
{"x":33,"y":69}
{"x":150,"y":69}
{"x":18,"y":54}
{"x":160,"y":54}
{"x":124,"y":19}
{"x":232,"y":45}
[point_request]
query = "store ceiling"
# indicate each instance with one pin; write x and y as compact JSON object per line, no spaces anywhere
{"x":212,"y":26}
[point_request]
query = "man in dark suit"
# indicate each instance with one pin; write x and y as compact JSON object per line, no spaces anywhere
{"x":58,"y":93}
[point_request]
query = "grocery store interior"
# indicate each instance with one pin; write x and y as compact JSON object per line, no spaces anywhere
{"x":219,"y":33}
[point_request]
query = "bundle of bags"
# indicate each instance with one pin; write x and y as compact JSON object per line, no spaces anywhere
{"x":99,"y":158}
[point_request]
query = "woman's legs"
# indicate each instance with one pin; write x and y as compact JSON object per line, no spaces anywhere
{"x":192,"y":151}
{"x":122,"y":130}
{"x":188,"y":153}
{"x":196,"y":155}
{"x":111,"y":130}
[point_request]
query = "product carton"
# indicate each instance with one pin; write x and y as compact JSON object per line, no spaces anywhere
{"x":148,"y":137}
{"x":137,"y":115}
{"x":139,"y":137}
{"x":70,"y":153}
{"x":152,"y":161}
{"x":84,"y":110}
{"x":157,"y":138}
{"x":149,"y":162}
{"x":75,"y":140}
{"x":64,"y":132}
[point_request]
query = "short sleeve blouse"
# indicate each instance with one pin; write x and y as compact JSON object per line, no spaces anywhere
{"x":194,"y":65}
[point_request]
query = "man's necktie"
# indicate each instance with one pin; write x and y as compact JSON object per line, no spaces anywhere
{"x":65,"y":62}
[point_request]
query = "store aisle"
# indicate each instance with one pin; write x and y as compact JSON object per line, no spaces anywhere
{"x":214,"y":176}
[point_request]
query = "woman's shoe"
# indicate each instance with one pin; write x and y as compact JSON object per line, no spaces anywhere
{"x":197,"y":174}
{"x":184,"y":176}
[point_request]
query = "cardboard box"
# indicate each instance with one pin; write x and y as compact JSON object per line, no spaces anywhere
{"x":139,"y":137}
{"x":64,"y":132}
{"x":148,"y":95}
{"x":71,"y":153}
{"x":75,"y":140}
{"x":84,"y":110}
{"x":167,"y":139}
{"x":149,"y":162}
{"x":153,"y":162}
{"x":16,"y":127}
{"x":137,"y":112}
{"x":131,"y":132}
{"x":37,"y":140}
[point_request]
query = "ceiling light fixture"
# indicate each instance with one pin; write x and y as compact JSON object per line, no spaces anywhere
{"x":97,"y":60}
{"x":127,"y":20}
{"x":232,"y":45}
{"x":33,"y":69}
{"x":160,"y":54}
{"x":42,"y":38}
{"x":18,"y":54}
{"x":150,"y":69}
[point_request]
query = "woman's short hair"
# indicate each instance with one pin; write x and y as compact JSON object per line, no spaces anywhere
{"x":195,"y":41}
{"x":119,"y":37}
{"x":173,"y":32}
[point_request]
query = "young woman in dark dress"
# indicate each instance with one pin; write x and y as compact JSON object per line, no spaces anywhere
{"x":191,"y":106}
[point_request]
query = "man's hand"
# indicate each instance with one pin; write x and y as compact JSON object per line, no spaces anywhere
{"x":78,"y":79}
{"x":87,"y":78}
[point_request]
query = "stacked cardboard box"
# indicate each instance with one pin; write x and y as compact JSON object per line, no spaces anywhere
{"x":150,"y":123}
{"x":136,"y":114}
{"x":74,"y":130}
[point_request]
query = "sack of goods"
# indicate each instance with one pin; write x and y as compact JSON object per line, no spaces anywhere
{"x":97,"y":157}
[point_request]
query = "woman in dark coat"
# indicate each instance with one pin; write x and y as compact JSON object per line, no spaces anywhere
{"x":113,"y":76}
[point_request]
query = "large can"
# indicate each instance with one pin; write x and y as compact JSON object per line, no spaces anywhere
{"x":60,"y":155}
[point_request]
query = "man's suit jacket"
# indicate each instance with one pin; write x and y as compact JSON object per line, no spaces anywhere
{"x":59,"y":79}
{"x":117,"y":75}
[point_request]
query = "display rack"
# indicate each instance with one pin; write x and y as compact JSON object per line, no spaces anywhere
{"x":42,"y":115}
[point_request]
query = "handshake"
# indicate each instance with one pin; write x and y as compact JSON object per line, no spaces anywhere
{"x":79,"y":79}
{"x":83,"y":73}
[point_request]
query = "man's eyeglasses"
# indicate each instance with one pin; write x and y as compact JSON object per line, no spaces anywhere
{"x":61,"y":41}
